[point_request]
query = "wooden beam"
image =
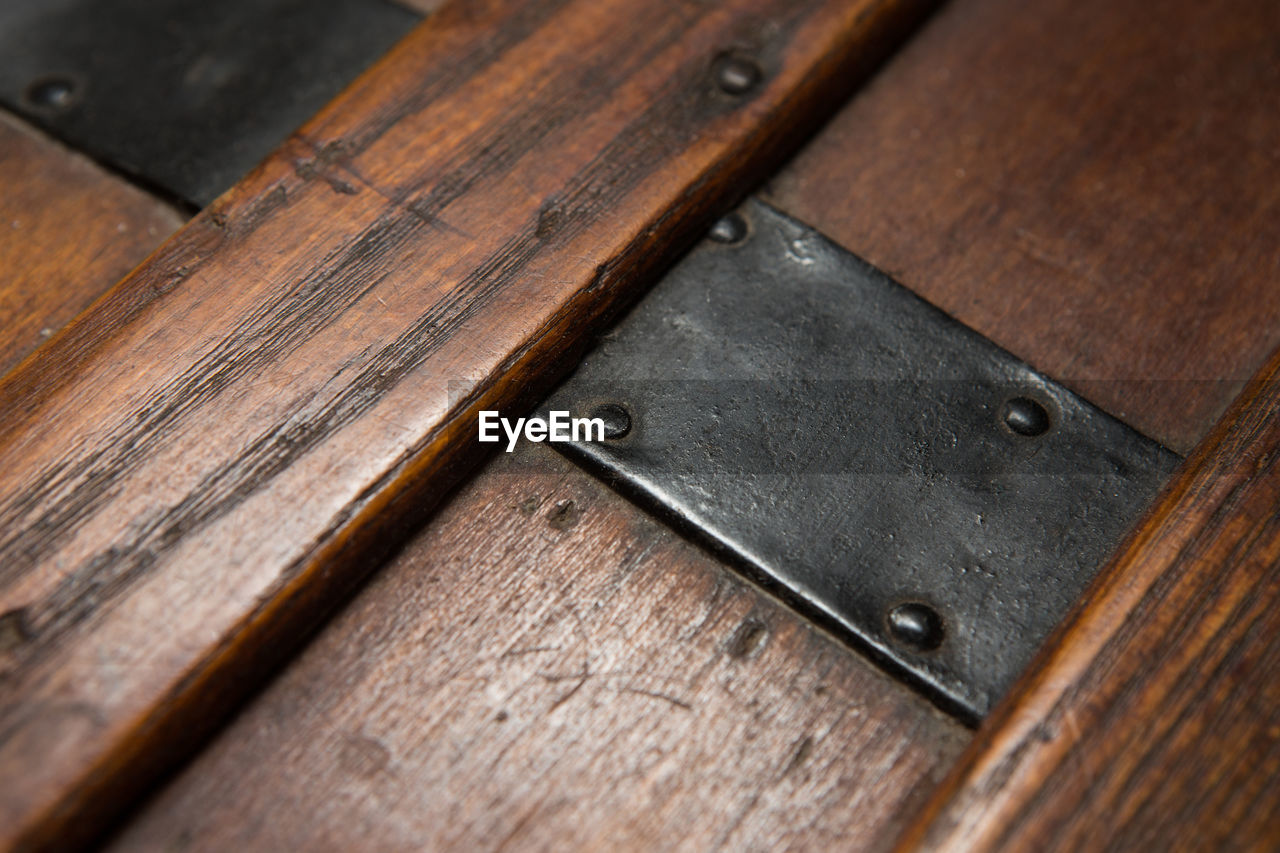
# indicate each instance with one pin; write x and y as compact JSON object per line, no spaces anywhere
{"x":198,"y":468}
{"x":1152,"y":719}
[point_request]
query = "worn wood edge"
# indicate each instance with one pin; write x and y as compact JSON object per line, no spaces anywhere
{"x":390,"y":506}
{"x":1002,"y":772}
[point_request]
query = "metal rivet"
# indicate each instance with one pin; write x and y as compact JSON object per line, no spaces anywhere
{"x":916,"y":625}
{"x":52,"y":93}
{"x":736,"y":74}
{"x":1026,"y":417}
{"x":617,"y":420}
{"x":729,"y":229}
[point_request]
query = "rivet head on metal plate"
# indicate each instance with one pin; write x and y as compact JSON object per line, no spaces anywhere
{"x":616,"y":419}
{"x":728,"y":229}
{"x":916,"y":626}
{"x":53,"y":92}
{"x":1026,"y":417}
{"x":891,"y":472}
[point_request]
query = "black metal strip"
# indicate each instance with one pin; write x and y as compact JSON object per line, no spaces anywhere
{"x":185,"y":95}
{"x":890,"y":470}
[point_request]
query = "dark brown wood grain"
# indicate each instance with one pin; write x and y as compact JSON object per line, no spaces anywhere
{"x":544,"y":667}
{"x":196,"y":469}
{"x":1152,"y":720}
{"x":68,"y":231}
{"x":1090,"y":183}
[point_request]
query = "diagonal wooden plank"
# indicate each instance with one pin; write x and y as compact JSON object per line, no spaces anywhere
{"x":1151,"y":720}
{"x":544,"y":667}
{"x":197,"y":468}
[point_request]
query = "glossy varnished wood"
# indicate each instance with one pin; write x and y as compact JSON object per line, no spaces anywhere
{"x":197,"y":468}
{"x":544,"y":667}
{"x":1152,"y":720}
{"x":68,"y":231}
{"x":1090,"y":183}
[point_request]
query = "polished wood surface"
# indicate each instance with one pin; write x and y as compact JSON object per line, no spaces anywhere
{"x":1090,"y":183}
{"x":68,"y":231}
{"x":544,"y":667}
{"x":1152,"y":720}
{"x":199,"y":467}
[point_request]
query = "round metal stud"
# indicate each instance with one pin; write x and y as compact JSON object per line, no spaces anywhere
{"x":51,"y":93}
{"x":617,"y":420}
{"x":915,"y":625}
{"x":1026,"y":417}
{"x":736,"y":74}
{"x":731,"y":228}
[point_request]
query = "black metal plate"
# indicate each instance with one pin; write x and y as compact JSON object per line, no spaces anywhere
{"x":187,"y":95}
{"x":846,"y":442}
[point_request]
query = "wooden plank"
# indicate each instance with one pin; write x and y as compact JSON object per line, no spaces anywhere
{"x":1152,"y":721}
{"x":195,"y":470}
{"x":545,"y":667}
{"x":68,"y":231}
{"x":1090,"y":183}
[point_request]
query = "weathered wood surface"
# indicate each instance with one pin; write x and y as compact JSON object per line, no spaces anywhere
{"x":1152,"y":721}
{"x":201,"y":465}
{"x":545,"y":667}
{"x":1090,"y":183}
{"x":68,"y":231}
